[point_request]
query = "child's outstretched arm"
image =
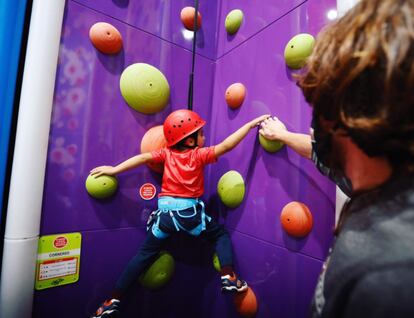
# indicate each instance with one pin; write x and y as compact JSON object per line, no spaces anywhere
{"x":233,"y":140}
{"x":274,"y":129}
{"x":128,"y":164}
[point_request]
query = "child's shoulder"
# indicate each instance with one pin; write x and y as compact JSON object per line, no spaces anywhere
{"x":203,"y":149}
{"x":187,"y":151}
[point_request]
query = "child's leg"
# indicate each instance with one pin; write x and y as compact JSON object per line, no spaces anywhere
{"x":148,"y":251}
{"x":215,"y":232}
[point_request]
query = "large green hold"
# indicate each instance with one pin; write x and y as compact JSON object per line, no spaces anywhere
{"x":270,"y":145}
{"x":233,"y":21}
{"x":231,"y":189}
{"x":101,"y":187}
{"x":298,"y":49}
{"x":159,"y":273}
{"x":144,"y":88}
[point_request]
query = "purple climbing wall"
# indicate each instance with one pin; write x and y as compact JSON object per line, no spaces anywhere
{"x":282,"y":270}
{"x":92,"y":125}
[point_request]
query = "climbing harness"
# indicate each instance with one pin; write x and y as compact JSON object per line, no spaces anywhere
{"x":186,"y":214}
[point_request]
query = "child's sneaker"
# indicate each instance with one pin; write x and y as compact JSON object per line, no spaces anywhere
{"x":108,"y":309}
{"x":232,"y":284}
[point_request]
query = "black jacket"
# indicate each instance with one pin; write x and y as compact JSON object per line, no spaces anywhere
{"x":370,"y":270}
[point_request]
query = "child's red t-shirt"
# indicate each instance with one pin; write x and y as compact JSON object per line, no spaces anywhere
{"x":183,"y":170}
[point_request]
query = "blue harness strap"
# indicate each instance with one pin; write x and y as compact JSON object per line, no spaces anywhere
{"x":178,"y":205}
{"x":157,"y":231}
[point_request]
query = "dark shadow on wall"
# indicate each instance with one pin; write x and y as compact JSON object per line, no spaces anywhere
{"x":290,"y":74}
{"x":200,"y":38}
{"x":293,"y":243}
{"x":231,"y":112}
{"x":148,"y":120}
{"x":121,"y":3}
{"x":114,"y":63}
{"x":231,"y":37}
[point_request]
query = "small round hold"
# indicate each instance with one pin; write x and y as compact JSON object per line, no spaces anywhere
{"x":105,"y":38}
{"x":233,"y":21}
{"x":187,"y":18}
{"x":154,"y":139}
{"x":270,"y":145}
{"x":235,"y":95}
{"x":144,"y":88}
{"x":231,"y":189}
{"x":296,"y":219}
{"x":246,"y":303}
{"x":298,"y":49}
{"x":101,"y":187}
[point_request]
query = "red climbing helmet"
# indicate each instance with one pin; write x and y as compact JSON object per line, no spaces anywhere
{"x":181,"y":124}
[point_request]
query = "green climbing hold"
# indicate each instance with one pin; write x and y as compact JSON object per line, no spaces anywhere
{"x":216,"y":262}
{"x":144,"y":88}
{"x":159,"y":273}
{"x":233,"y":21}
{"x":298,"y":49}
{"x":101,"y":187}
{"x":231,"y":189}
{"x":270,"y":145}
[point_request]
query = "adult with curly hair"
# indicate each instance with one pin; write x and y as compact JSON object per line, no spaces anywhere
{"x":359,"y":81}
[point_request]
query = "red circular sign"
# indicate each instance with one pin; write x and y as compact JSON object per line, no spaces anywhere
{"x":60,"y":242}
{"x":147,"y":191}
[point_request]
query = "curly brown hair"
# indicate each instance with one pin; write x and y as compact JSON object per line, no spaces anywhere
{"x":361,"y":76}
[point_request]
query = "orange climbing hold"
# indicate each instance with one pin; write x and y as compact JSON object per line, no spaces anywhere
{"x":187,"y":18}
{"x":153,"y":140}
{"x":235,"y":95}
{"x":296,"y":219}
{"x":105,"y":38}
{"x":246,"y":303}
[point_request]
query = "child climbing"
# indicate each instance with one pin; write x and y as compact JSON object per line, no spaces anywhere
{"x":179,"y":205}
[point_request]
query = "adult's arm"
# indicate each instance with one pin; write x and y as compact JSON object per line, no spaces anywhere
{"x":274,"y":129}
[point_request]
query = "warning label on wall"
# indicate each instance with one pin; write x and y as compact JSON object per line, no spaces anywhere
{"x":58,"y":268}
{"x":147,"y":191}
{"x":58,"y":260}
